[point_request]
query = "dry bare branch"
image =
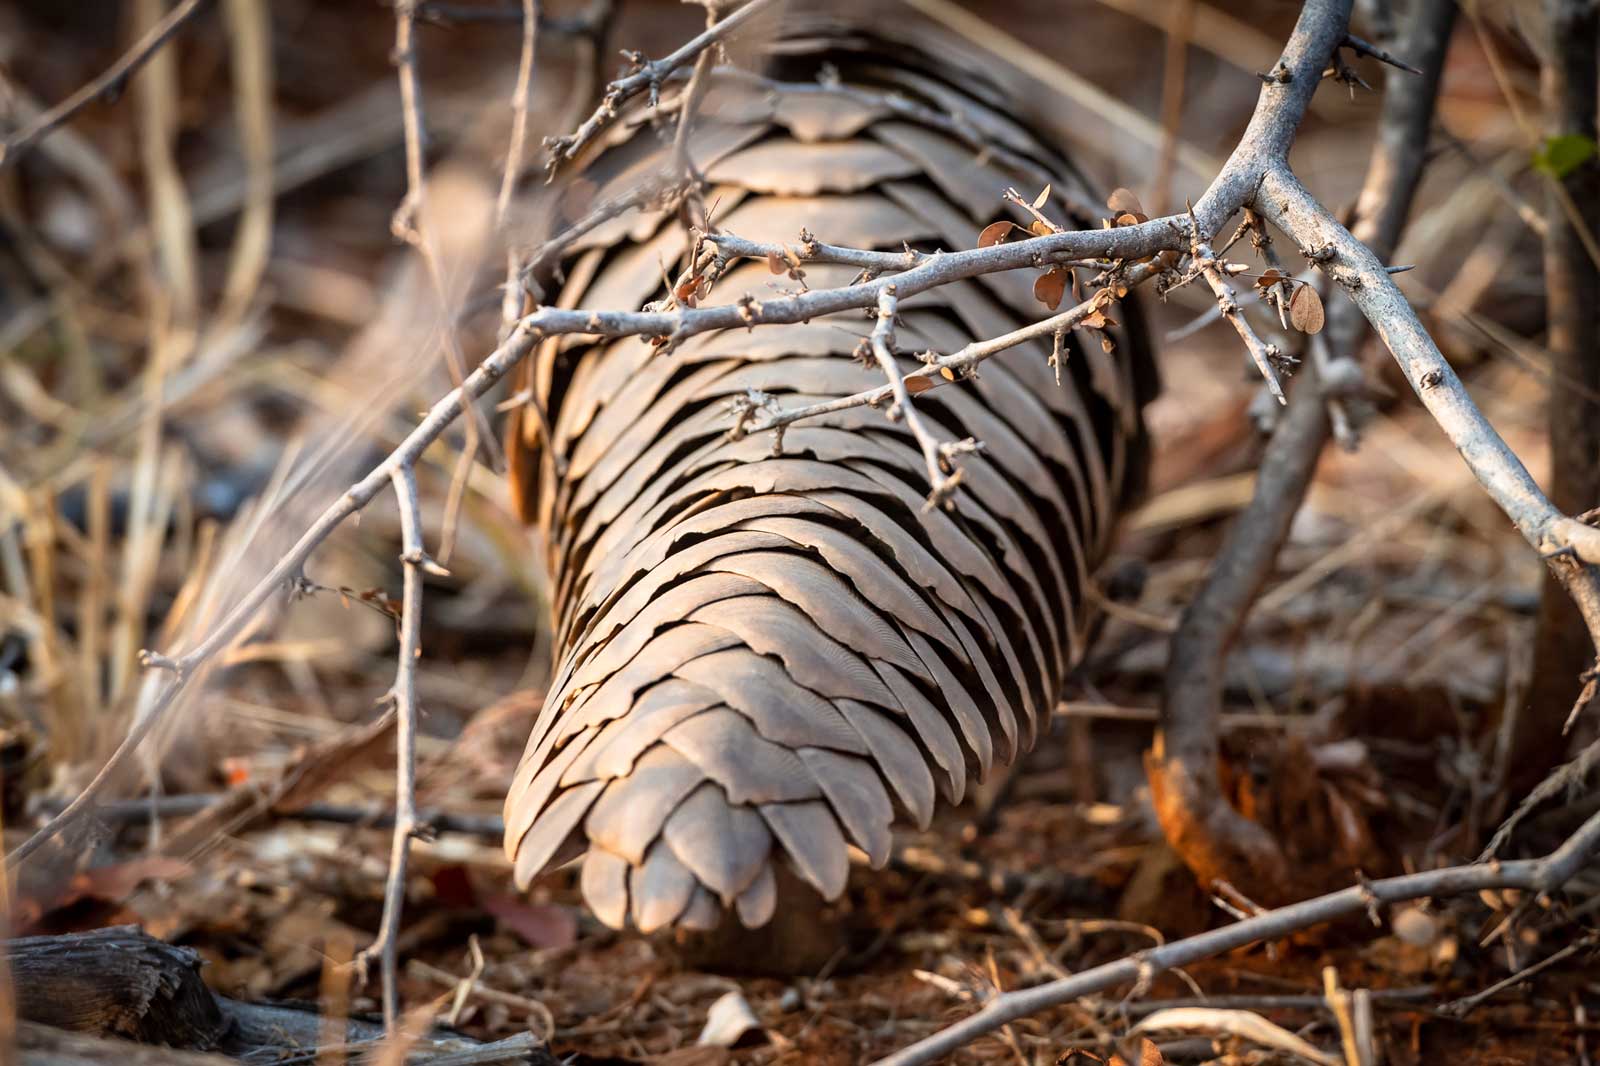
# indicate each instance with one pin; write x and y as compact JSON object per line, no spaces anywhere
{"x":1571,"y":87}
{"x":646,"y":75}
{"x":414,"y":560}
{"x":935,"y":453}
{"x":1213,"y":838}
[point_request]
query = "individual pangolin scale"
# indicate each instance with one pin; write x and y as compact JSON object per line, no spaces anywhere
{"x":767,"y":656}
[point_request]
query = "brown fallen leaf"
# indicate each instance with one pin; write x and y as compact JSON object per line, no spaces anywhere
{"x":1305,"y":310}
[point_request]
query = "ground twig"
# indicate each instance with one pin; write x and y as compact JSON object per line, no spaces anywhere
{"x":1541,"y":876}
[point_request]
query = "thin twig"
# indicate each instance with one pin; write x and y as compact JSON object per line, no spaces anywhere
{"x":108,"y":84}
{"x":1558,"y":781}
{"x":945,"y":369}
{"x":1264,"y":355}
{"x":1460,"y":1008}
{"x":406,"y":224}
{"x":934,"y":452}
{"x":646,"y":75}
{"x":1372,"y":51}
{"x":414,"y":561}
{"x":1542,"y":876}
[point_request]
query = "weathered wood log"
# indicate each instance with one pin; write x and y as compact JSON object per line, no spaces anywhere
{"x":116,"y":982}
{"x":40,"y":1045}
{"x":122,"y":983}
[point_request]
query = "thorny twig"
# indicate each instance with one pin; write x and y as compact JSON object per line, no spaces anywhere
{"x":935,"y":454}
{"x":414,"y":560}
{"x":945,"y":369}
{"x":683,"y":165}
{"x":1541,"y":876}
{"x":108,"y":84}
{"x":646,"y":75}
{"x":1288,"y":205}
{"x":406,"y":225}
{"x":1372,"y":51}
{"x":1265,"y":356}
{"x":1213,"y":838}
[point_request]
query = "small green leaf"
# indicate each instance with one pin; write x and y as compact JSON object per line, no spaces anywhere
{"x":1560,"y":156}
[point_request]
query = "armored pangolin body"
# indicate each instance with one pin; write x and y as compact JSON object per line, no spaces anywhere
{"x":765,"y":656}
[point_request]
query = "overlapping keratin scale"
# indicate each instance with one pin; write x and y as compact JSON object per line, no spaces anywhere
{"x":766,"y":656}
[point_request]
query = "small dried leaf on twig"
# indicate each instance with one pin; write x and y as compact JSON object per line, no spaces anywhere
{"x":1042,"y":199}
{"x":995,"y":233}
{"x":1305,"y":310}
{"x":1040,"y":228}
{"x":1050,"y":287}
{"x":1269,"y":278}
{"x":775,"y":265}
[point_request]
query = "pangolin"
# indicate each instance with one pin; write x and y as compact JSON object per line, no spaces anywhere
{"x":768,"y":650}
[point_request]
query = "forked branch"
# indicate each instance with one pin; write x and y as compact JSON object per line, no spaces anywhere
{"x":646,"y":75}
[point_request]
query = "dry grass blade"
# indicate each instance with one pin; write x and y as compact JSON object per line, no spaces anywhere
{"x":519,"y":106}
{"x":250,"y":43}
{"x":1243,"y":1024}
{"x":157,"y":100}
